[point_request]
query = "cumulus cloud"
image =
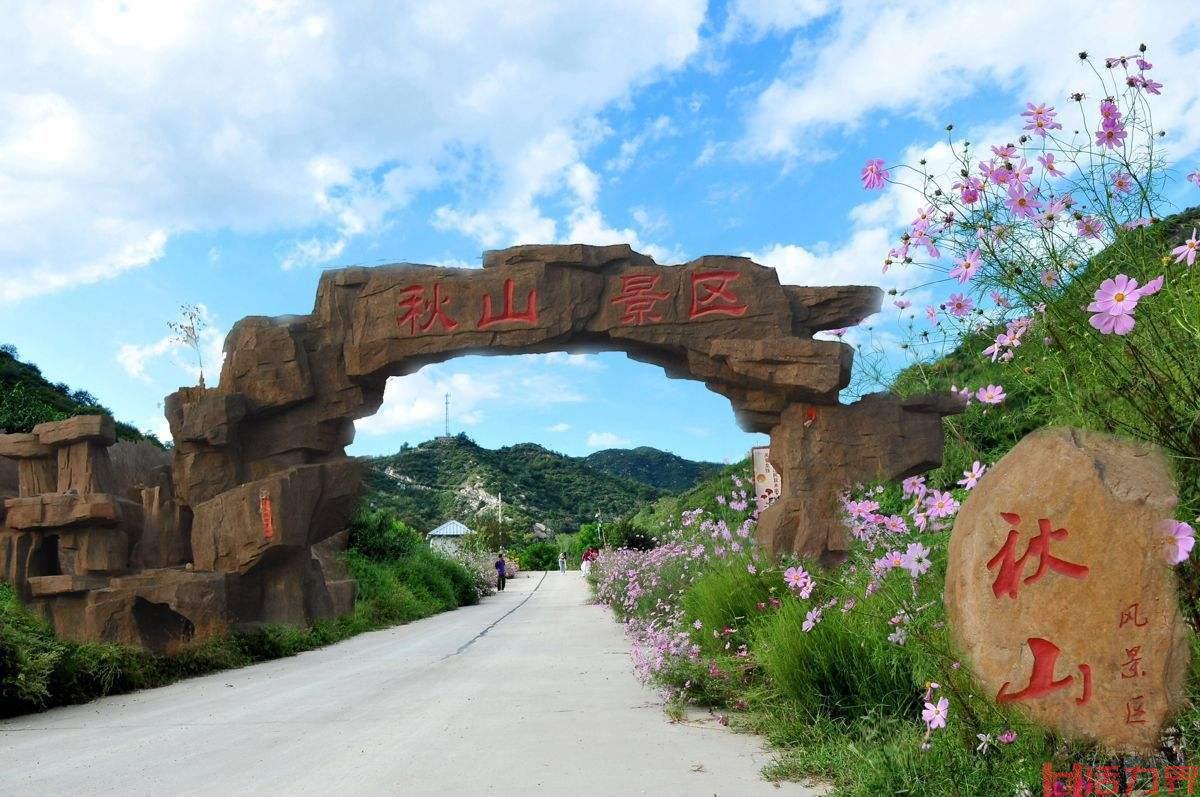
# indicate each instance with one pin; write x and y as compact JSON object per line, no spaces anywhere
{"x":125,"y":124}
{"x":607,"y":440}
{"x":655,"y":129}
{"x":906,"y":58}
{"x":418,"y":400}
{"x":559,"y":427}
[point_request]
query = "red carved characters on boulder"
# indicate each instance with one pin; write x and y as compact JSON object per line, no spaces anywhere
{"x":416,"y":306}
{"x":1012,"y":568}
{"x":529,"y":316}
{"x":711,"y":295}
{"x":639,"y":299}
{"x":1041,"y":680}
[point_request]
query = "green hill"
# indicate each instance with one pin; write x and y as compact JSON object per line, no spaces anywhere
{"x":27,"y":398}
{"x":647,"y":465}
{"x":456,"y":478}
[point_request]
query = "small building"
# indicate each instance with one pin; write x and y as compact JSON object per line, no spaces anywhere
{"x":448,"y":536}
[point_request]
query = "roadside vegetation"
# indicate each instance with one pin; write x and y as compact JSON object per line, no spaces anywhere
{"x":1076,"y":300}
{"x":400,"y":579}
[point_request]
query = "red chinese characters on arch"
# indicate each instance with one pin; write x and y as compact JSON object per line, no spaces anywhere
{"x":639,"y":298}
{"x":528,"y":316}
{"x":712,"y":293}
{"x":423,"y":309}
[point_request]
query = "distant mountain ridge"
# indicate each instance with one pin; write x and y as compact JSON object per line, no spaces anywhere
{"x":647,"y":465}
{"x":455,"y":478}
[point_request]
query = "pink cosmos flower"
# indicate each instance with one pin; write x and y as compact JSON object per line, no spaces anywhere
{"x":968,"y":189}
{"x":1022,"y":203}
{"x":1041,"y":119}
{"x":1144,"y":65}
{"x":992,"y":394}
{"x":940,"y":504}
{"x":967,"y":267}
{"x":1115,"y":301}
{"x":1111,"y":138}
{"x":893,"y":559}
{"x":1151,"y":85}
{"x":1187,"y":250}
{"x":971,"y":477}
{"x":1049,"y":278}
{"x":1122,"y":182}
{"x":963,"y":394}
{"x":1000,"y":300}
{"x":903,"y":304}
{"x":1089,"y":227}
{"x":1110,"y":114}
{"x":913,"y":485}
{"x":1008,"y":737}
{"x":931,"y":314}
{"x":837,"y":333}
{"x":916,"y":559}
{"x":1183,"y":539}
{"x":873,"y":175}
{"x":1133,"y":225}
{"x":960,"y":305}
{"x":1194,"y":177}
{"x":811,"y":619}
{"x":1049,"y":165}
{"x":1006,"y":152}
{"x":935,"y":715}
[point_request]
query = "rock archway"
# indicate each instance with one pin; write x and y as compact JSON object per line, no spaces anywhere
{"x":260,"y":459}
{"x":246,"y":526}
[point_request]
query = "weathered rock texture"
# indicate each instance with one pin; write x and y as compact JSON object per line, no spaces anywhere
{"x":262,"y":491}
{"x":1059,"y":591}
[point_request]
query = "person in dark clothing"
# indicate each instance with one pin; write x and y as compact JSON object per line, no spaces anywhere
{"x":500,"y":573}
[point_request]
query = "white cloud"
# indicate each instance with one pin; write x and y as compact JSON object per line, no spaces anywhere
{"x":755,"y":18}
{"x":914,"y":58}
{"x":123,"y":125}
{"x":418,"y":400}
{"x":653,"y":131}
{"x":606,"y":440}
{"x":559,"y":427}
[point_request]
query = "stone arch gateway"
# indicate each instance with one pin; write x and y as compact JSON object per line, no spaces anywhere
{"x":245,"y":526}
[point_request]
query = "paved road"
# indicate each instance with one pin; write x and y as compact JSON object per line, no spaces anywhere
{"x":529,"y":692}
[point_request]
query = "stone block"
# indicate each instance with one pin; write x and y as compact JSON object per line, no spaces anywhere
{"x":84,"y":467}
{"x":98,"y":429}
{"x":83,"y":551}
{"x":42,"y":586}
{"x":23,"y":446}
{"x":37,"y":476}
{"x":58,"y":510}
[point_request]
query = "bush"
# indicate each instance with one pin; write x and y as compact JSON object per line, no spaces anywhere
{"x":538,"y":556}
{"x":379,"y":535}
{"x":845,"y":667}
{"x":726,"y":596}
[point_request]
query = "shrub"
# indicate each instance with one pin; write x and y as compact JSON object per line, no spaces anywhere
{"x":538,"y":556}
{"x":379,"y":535}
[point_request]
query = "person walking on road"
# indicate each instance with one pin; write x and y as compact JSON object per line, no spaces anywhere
{"x":500,"y":565}
{"x":562,"y":561}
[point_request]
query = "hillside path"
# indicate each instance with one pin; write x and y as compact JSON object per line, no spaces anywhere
{"x":532,"y":691}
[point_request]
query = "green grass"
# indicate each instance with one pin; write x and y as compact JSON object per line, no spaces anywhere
{"x":40,"y":671}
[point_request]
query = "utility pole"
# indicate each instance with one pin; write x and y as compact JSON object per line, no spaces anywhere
{"x":447,"y":415}
{"x":500,"y":516}
{"x":600,"y":529}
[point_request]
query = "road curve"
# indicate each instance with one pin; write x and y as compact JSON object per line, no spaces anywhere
{"x":529,"y":692}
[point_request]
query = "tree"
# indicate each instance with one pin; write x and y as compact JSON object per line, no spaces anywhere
{"x":187,"y":330}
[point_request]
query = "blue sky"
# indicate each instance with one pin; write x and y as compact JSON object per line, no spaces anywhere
{"x":222,"y":154}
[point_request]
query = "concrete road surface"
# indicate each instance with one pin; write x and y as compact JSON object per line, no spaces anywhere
{"x":530,"y":692}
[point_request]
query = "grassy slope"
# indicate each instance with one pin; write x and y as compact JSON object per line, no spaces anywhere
{"x":537,"y":485}
{"x":647,"y":465}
